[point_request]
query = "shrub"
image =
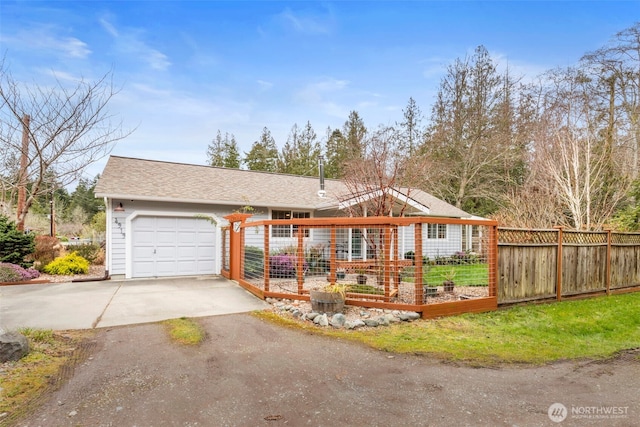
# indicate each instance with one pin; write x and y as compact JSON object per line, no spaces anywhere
{"x":15,"y":245}
{"x":88,"y":251}
{"x":47,"y":249}
{"x":15,"y":273}
{"x":67,"y":265}
{"x":284,"y":266}
{"x":253,"y":262}
{"x":8,"y":274}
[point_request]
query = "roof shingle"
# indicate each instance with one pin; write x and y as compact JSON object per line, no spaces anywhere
{"x":130,"y":178}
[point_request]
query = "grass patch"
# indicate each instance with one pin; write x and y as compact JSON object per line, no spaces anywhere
{"x":594,"y":328}
{"x":465,"y":274}
{"x":365,"y":289}
{"x":25,"y":380}
{"x":185,"y":331}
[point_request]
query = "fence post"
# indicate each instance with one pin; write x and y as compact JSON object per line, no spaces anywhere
{"x":236,"y":221}
{"x":266,"y":259}
{"x":300,"y":259}
{"x":417,"y":263}
{"x":493,"y":261}
{"x":332,"y":256}
{"x":560,"y":229}
{"x":386,"y":265}
{"x":608,"y":265}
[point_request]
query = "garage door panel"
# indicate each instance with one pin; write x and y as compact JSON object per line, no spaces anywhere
{"x":206,"y":267}
{"x":144,"y":237}
{"x":187,"y":267}
{"x":206,"y":252}
{"x":144,"y":269}
{"x":187,"y":252}
{"x":204,"y":237}
{"x":170,"y":246}
{"x":187,"y":236}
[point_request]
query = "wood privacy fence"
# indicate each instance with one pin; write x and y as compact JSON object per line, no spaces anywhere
{"x":398,"y":259}
{"x":557,"y":263}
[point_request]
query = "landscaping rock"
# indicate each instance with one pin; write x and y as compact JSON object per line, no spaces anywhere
{"x":321,"y":320}
{"x":312,"y":315}
{"x":371,"y":322}
{"x":392,"y":318}
{"x":338,"y":320}
{"x":354,"y":324}
{"x":409,"y":316}
{"x":13,"y":346}
{"x":383,"y":321}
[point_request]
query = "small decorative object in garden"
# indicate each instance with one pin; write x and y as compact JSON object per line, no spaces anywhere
{"x":448,"y":277}
{"x":430,"y":291}
{"x":328,"y":300}
{"x":341,"y":273}
{"x":361,"y":278}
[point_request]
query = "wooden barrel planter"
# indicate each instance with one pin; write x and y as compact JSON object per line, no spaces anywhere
{"x":326,"y":302}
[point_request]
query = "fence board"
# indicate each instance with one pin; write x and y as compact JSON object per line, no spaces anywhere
{"x":528,"y":265}
{"x":584,"y":269}
{"x":625,"y":268}
{"x":526,"y":272}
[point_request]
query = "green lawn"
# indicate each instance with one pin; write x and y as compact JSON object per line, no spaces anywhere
{"x":464,"y":274}
{"x":591,"y":328}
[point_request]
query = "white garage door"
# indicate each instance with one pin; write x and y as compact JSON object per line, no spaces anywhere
{"x":172,"y":246}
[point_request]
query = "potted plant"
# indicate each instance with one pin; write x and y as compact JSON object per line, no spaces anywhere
{"x":448,"y":277}
{"x":341,"y":273}
{"x":361,"y":278}
{"x":430,"y":291}
{"x":329,"y":299}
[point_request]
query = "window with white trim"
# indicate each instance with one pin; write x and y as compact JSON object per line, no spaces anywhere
{"x":289,"y":230}
{"x":436,"y":231}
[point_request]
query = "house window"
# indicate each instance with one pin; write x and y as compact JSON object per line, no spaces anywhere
{"x":436,"y":231}
{"x":287,"y":230}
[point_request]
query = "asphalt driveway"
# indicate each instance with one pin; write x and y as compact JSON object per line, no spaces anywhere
{"x":249,"y":372}
{"x":89,"y":305}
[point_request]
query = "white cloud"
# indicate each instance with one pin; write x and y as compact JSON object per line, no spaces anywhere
{"x":307,"y":22}
{"x":109,"y":28}
{"x":44,"y":38}
{"x":130,"y":42}
{"x":317,"y":91}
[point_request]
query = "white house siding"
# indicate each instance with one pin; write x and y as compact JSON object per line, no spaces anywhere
{"x":431,"y":248}
{"x":118,"y":225}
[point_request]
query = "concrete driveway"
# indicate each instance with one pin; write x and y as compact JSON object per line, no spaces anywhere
{"x":89,"y":305}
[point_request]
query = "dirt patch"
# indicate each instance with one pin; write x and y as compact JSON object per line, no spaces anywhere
{"x":251,"y":373}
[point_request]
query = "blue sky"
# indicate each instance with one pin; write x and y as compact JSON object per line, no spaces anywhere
{"x":189,"y":68}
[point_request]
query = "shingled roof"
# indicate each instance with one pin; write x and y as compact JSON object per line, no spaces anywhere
{"x":139,"y":179}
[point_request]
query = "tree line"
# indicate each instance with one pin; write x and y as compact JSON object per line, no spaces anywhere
{"x":560,"y":148}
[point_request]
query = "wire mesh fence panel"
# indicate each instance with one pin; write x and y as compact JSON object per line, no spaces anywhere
{"x":403,"y":262}
{"x":225,"y":249}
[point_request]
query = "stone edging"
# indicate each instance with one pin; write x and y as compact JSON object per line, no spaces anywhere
{"x":356,"y":317}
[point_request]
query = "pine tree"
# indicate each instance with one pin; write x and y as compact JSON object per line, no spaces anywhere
{"x":263,"y":155}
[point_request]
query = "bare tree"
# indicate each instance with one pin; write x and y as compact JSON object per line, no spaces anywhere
{"x":70,"y":128}
{"x":617,"y":67}
{"x":571,"y":152}
{"x":473,"y":138}
{"x":369,"y":179}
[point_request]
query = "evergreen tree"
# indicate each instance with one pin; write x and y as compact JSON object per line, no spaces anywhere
{"x":410,"y":129}
{"x":14,"y":244}
{"x":223,"y":151}
{"x":300,"y":153}
{"x":215,"y":151}
{"x":354,"y":132}
{"x":263,"y":155}
{"x":231,"y":153}
{"x":335,"y":154}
